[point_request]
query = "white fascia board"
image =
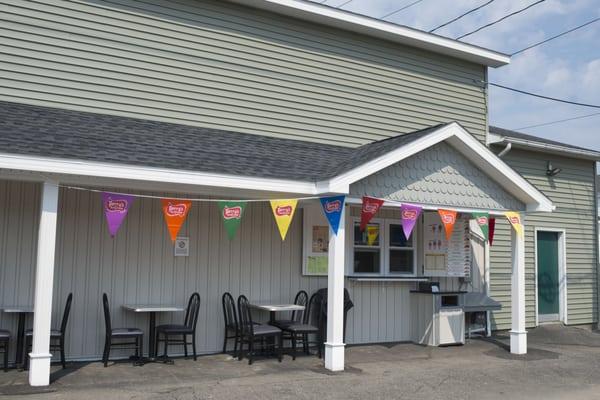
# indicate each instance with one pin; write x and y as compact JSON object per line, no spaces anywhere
{"x":150,"y":174}
{"x":365,"y":25}
{"x":467,"y":145}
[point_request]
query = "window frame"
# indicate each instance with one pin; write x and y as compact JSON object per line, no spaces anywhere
{"x":381,"y":246}
{"x":414,"y":247}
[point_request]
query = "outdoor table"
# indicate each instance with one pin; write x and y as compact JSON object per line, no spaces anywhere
{"x":151,"y":310}
{"x":22,"y":311}
{"x":273,"y":308}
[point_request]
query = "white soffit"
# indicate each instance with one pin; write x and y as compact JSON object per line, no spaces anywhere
{"x":325,"y":15}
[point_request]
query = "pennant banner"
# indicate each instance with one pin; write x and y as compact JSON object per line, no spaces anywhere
{"x":448,"y":219}
{"x":231,"y":212}
{"x":175,"y":212}
{"x":483,"y":220}
{"x":332,"y":208}
{"x":115,"y":208}
{"x":370,"y":206}
{"x":492,"y":226}
{"x":284,"y":210}
{"x":372,"y":234}
{"x":409,"y":213}
{"x":515,"y":220}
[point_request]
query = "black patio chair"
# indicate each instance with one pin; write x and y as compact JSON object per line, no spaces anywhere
{"x":4,"y":346}
{"x":311,"y":325}
{"x":297,"y":316}
{"x":232,"y":329}
{"x":250,"y":332}
{"x":188,"y":328}
{"x":57,"y":336}
{"x":115,"y":337}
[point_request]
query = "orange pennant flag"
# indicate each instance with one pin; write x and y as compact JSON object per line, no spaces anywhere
{"x":175,"y":212}
{"x":448,"y":219}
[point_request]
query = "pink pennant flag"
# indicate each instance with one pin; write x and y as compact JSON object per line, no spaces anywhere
{"x":115,"y":208}
{"x":410,"y":214}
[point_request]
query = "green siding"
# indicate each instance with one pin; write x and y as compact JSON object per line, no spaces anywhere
{"x":225,"y":66}
{"x":573,"y":194}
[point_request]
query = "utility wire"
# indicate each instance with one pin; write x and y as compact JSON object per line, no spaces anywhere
{"x":556,"y":36}
{"x":344,"y":3}
{"x":401,"y":9}
{"x":460,"y":16}
{"x":501,"y":19}
{"x":543,"y":97}
{"x":557,"y":121}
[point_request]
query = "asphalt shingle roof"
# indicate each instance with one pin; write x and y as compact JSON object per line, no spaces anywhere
{"x":59,"y":133}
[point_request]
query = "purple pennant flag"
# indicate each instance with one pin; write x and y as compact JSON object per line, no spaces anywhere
{"x":410,"y":213}
{"x":115,"y":208}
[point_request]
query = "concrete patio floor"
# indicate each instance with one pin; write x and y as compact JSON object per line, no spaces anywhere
{"x":562,"y":363}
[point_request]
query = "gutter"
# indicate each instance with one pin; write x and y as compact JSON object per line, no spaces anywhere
{"x":548,"y":148}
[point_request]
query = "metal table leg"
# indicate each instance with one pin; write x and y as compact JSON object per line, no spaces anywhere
{"x":20,"y":339}
{"x":152,"y":336}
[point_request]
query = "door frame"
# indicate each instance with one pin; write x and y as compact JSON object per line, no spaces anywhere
{"x":562,"y":272}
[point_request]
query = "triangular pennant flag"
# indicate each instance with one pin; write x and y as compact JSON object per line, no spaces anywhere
{"x":515,"y":220}
{"x":448,"y":219}
{"x":332,"y":208}
{"x":231,"y":212}
{"x":409,"y":214}
{"x":370,"y":206}
{"x":492,"y":229}
{"x":372,"y":233}
{"x":283,"y":211}
{"x":115,"y":208}
{"x":175,"y":212}
{"x":483,"y":220}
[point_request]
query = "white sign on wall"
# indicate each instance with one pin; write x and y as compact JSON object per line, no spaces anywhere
{"x":443,"y":257}
{"x":182,"y":247}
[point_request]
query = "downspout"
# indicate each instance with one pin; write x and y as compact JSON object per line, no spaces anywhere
{"x":505,"y":150}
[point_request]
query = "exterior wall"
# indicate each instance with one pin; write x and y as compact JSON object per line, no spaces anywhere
{"x":573,"y":193}
{"x":439,"y":175}
{"x":221,"y":65}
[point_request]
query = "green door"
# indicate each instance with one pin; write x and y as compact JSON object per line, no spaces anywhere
{"x":547,"y":276}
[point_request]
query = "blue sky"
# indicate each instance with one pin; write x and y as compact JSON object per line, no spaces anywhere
{"x":568,"y":67}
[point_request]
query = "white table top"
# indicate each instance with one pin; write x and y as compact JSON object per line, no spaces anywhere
{"x":17,"y":309}
{"x":151,"y":308}
{"x":277,"y":307}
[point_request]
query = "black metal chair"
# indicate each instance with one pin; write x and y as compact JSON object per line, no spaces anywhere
{"x":120,"y":334}
{"x":250,"y":332}
{"x":4,"y":346}
{"x":232,"y":329}
{"x":311,"y":325}
{"x":57,"y":336}
{"x":297,"y":316}
{"x":188,"y":328}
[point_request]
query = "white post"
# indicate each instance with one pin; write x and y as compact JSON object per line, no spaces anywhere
{"x":334,"y":346}
{"x":39,"y":369}
{"x":518,"y":334}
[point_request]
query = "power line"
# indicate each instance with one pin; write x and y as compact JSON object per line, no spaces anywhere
{"x":557,"y":121}
{"x":344,"y":3}
{"x":501,"y":19}
{"x":460,"y":16}
{"x":401,"y":9}
{"x":556,"y":36}
{"x":543,"y":97}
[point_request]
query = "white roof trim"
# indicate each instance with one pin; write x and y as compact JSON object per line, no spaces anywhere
{"x":365,"y":25}
{"x":468,"y":146}
{"x":545,"y":147}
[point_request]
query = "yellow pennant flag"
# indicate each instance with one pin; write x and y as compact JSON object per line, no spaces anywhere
{"x":515,"y":220}
{"x":372,"y":234}
{"x":284,"y":210}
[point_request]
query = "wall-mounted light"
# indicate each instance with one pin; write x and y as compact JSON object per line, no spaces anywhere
{"x":552,"y":171}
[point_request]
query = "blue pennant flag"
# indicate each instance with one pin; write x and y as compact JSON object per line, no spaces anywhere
{"x":332,"y":208}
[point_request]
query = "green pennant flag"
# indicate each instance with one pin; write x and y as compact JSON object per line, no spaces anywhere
{"x":231,"y":212}
{"x":483,"y":220}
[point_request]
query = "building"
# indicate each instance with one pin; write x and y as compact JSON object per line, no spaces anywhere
{"x":246,"y":99}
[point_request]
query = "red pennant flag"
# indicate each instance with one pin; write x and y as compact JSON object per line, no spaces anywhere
{"x":448,"y":219}
{"x":370,"y":206}
{"x":492,"y":226}
{"x":175,"y":212}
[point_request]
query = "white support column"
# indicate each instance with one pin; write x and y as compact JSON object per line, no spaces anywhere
{"x":518,"y":334}
{"x":334,"y":346}
{"x":39,"y":369}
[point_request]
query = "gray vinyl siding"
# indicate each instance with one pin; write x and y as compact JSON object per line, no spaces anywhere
{"x":221,"y":65}
{"x":573,"y":193}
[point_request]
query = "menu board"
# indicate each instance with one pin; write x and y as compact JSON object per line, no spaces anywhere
{"x":443,"y":257}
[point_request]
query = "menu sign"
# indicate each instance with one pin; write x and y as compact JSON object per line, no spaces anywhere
{"x":446,"y":257}
{"x":459,"y":249}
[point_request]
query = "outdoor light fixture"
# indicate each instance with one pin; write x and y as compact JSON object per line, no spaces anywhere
{"x":551,"y":171}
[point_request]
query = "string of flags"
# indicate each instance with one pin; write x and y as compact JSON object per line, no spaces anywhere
{"x":175,"y":211}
